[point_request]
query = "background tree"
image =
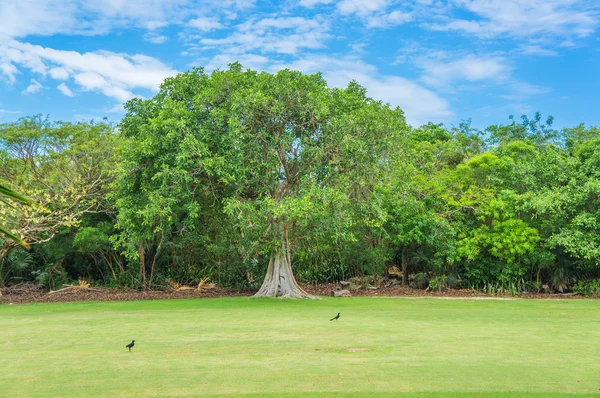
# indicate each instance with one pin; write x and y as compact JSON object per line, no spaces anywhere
{"x":64,"y":168}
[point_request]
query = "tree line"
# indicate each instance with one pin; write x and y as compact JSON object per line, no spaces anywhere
{"x":265,"y":180}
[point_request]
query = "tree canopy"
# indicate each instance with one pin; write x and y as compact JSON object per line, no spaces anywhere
{"x":267,"y":180}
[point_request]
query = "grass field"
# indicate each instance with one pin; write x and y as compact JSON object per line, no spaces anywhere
{"x":238,"y":346}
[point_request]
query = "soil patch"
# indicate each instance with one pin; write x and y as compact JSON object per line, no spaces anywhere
{"x":325,"y":289}
{"x":31,"y":293}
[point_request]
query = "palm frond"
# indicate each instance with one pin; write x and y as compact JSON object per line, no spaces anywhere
{"x":10,"y":235}
{"x":6,"y":191}
{"x":6,"y":203}
{"x":9,"y":193}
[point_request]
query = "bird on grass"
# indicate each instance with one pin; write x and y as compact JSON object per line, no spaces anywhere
{"x":130,"y":345}
{"x":335,"y":317}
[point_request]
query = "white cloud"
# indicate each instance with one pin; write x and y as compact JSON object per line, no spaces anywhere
{"x":502,"y":110}
{"x":8,"y":70}
{"x":441,"y":72}
{"x":533,"y":49}
{"x":523,"y":18}
{"x":91,"y":81}
{"x":378,"y":13}
{"x":273,"y":35}
{"x":361,"y":7}
{"x":282,"y":34}
{"x":8,"y":111}
{"x":59,"y":73}
{"x":239,"y":4}
{"x":47,"y":17}
{"x":155,"y":38}
{"x":148,"y":14}
{"x":63,"y":88}
{"x":250,"y":61}
{"x":523,"y":90}
{"x":393,"y":18}
{"x":312,"y":3}
{"x":33,"y":87}
{"x":297,"y":23}
{"x":419,"y":104}
{"x":113,"y":74}
{"x":116,"y":108}
{"x":471,"y":72}
{"x":25,"y":17}
{"x":205,"y":24}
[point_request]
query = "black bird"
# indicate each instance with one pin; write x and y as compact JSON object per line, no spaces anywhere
{"x":130,"y":345}
{"x":335,"y":317}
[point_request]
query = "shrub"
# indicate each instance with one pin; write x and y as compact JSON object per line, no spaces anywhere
{"x":587,"y":288}
{"x":439,"y":283}
{"x":454,"y":282}
{"x":16,"y":266}
{"x":420,"y":281}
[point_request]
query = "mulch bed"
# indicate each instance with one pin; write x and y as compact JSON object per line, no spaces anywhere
{"x":400,"y":291}
{"x":30,"y":293}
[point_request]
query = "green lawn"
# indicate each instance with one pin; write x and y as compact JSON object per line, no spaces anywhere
{"x":235,"y":346}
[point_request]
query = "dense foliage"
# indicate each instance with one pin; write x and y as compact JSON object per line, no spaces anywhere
{"x":233,"y":174}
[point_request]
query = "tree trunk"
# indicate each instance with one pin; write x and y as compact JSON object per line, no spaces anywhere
{"x":109,"y":264}
{"x":280,"y":281}
{"x":404,"y":263}
{"x":142,"y":265}
{"x":153,"y":265}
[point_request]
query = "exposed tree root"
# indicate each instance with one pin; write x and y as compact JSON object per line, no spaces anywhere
{"x":280,"y":281}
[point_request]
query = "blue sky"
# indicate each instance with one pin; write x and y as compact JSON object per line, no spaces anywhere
{"x":439,"y":60}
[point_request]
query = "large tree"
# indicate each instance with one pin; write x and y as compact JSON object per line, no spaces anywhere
{"x":276,"y":152}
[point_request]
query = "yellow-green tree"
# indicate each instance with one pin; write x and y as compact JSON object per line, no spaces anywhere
{"x":63,"y":169}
